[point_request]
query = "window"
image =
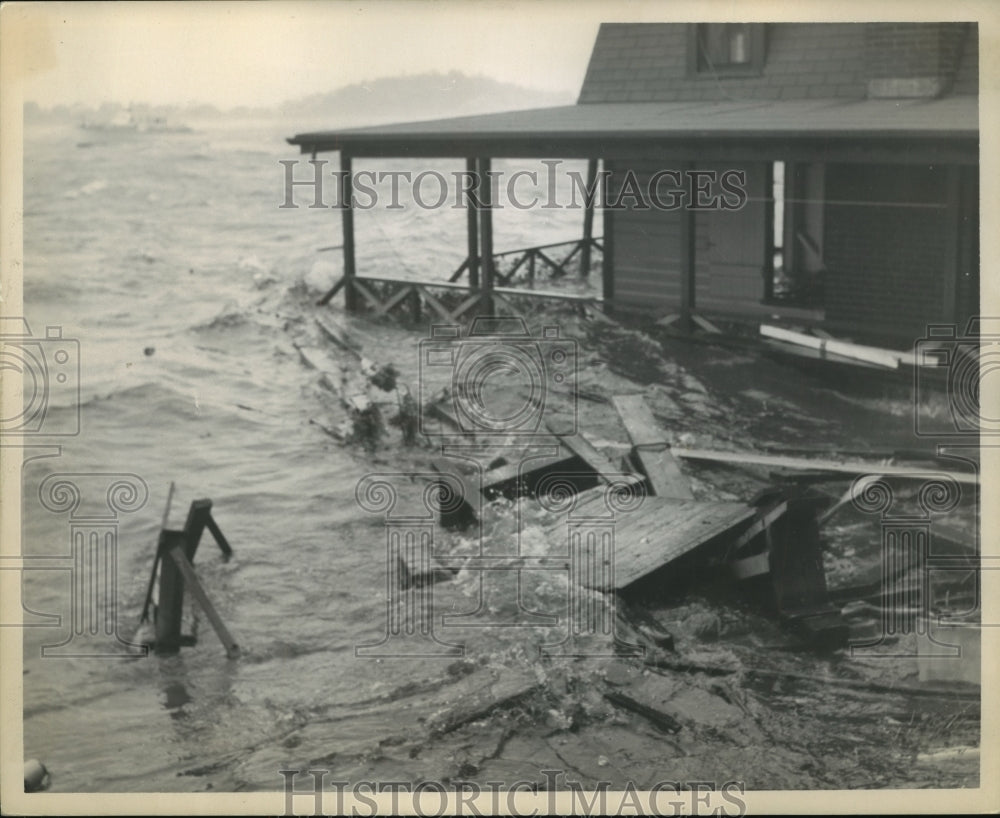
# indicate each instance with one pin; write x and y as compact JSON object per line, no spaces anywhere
{"x":725,"y":49}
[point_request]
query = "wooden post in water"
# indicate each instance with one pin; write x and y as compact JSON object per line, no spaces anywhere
{"x":486,"y":233}
{"x":156,"y":559}
{"x":199,"y":518}
{"x":588,"y":219}
{"x":174,"y":552}
{"x":170,"y":606}
{"x":472,"y":224}
{"x":347,"y":225}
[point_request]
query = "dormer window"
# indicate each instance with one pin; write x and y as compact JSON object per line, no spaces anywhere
{"x":725,"y":49}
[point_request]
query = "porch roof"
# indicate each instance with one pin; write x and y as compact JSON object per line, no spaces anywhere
{"x":821,"y":126}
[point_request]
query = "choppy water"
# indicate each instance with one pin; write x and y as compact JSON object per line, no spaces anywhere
{"x":175,"y":242}
{"x":186,"y":285}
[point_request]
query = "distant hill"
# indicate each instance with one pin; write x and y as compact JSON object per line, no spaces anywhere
{"x":419,"y":96}
{"x":388,"y":99}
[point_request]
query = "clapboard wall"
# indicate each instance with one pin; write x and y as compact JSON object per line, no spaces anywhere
{"x":730,"y":245}
{"x":888,"y":248}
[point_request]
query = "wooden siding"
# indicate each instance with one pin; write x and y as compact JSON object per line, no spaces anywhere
{"x":886,"y":244}
{"x":730,"y":247}
{"x":643,"y":62}
{"x":647,"y":254}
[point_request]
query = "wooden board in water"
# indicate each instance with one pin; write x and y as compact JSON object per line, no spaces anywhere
{"x":651,"y":448}
{"x":662,"y":531}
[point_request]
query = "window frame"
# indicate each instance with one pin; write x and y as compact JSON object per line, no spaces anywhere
{"x":753,"y":68}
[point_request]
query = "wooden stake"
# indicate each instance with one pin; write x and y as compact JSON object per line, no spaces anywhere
{"x":198,"y":592}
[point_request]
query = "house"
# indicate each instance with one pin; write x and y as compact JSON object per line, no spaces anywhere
{"x":823,"y":173}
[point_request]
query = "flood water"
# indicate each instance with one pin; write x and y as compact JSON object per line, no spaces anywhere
{"x":168,"y":258}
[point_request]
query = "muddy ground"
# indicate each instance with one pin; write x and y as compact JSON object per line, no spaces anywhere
{"x":739,"y":695}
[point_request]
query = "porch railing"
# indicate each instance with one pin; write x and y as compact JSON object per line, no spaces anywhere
{"x":515,"y":275}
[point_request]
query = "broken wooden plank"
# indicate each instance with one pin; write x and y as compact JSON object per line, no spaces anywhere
{"x":887,"y":358}
{"x":337,"y":336}
{"x":662,"y":531}
{"x":750,"y":567}
{"x":604,"y":468}
{"x":511,"y":687}
{"x":416,"y":573}
{"x":662,"y":720}
{"x":469,"y":511}
{"x":198,"y":592}
{"x":842,"y":467}
{"x":520,"y":467}
{"x":652,"y":450}
{"x":759,"y":526}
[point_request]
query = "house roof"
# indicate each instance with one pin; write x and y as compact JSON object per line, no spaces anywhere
{"x":649,"y":62}
{"x":604,"y":129}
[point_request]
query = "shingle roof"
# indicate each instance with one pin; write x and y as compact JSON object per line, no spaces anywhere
{"x":605,"y":124}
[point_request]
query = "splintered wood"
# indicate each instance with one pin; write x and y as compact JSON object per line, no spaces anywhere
{"x":664,"y":475}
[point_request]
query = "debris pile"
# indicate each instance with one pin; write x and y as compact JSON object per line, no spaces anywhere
{"x":735,"y":585}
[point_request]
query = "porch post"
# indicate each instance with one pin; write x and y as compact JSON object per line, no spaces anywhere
{"x":687,"y":261}
{"x":347,"y":228}
{"x":588,"y":220}
{"x":486,"y":233}
{"x":472,"y":224}
{"x":608,"y":258}
{"x":952,"y":227}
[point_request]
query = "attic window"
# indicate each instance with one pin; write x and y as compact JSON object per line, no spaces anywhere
{"x":725,"y":49}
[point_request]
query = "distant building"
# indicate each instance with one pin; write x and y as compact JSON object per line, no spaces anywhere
{"x":851,"y":201}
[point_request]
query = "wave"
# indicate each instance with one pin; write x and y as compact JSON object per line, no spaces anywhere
{"x":88,"y":189}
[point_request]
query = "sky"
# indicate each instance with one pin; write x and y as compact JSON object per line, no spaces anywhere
{"x":262,"y":53}
{"x":231,"y":54}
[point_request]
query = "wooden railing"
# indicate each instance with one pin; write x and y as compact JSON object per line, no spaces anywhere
{"x":525,"y":265}
{"x":514,"y":277}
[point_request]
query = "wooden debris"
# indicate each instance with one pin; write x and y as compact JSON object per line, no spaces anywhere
{"x":653,"y":452}
{"x":415,"y":573}
{"x":469,"y":511}
{"x":839,"y":350}
{"x":339,"y":337}
{"x":662,"y":531}
{"x":603,"y":467}
{"x":510,"y":688}
{"x":842,"y":467}
{"x":663,"y":721}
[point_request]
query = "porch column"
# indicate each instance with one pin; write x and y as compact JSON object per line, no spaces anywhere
{"x":588,"y":220}
{"x":347,"y":228}
{"x":687,"y":260}
{"x":952,"y":228}
{"x":486,"y":233}
{"x":608,"y":259}
{"x":472,"y":222}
